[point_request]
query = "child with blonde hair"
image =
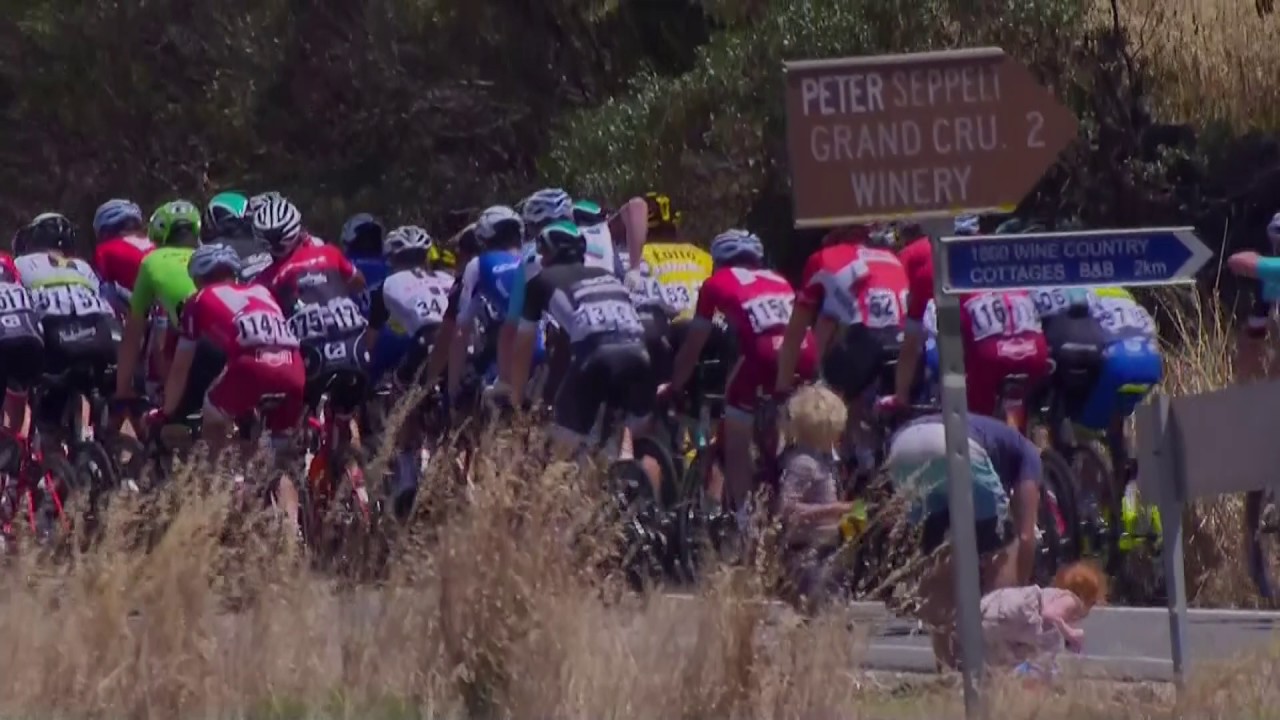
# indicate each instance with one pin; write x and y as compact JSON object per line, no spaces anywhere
{"x":1026,"y":627}
{"x":807,"y":503}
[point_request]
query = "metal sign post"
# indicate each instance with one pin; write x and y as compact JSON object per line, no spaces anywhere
{"x":925,"y":135}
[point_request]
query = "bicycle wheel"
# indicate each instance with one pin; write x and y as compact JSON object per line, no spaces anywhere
{"x":1262,"y":528}
{"x":1057,"y":524}
{"x":56,"y":498}
{"x":692,"y":512}
{"x":1099,"y":506}
{"x":92,"y":464}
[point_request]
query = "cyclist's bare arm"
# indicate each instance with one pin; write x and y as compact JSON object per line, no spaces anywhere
{"x":130,"y":347}
{"x":632,"y":222}
{"x":908,"y":361}
{"x":801,"y":318}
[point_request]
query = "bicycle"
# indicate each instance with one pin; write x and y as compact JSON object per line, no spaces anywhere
{"x":1057,"y":527}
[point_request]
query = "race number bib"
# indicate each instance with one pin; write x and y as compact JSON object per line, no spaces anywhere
{"x":768,"y":312}
{"x":1121,"y":314}
{"x":608,"y":316}
{"x":14,"y":299}
{"x":883,"y":310}
{"x":648,"y":293}
{"x":680,"y":296}
{"x":994,"y":314}
{"x":430,"y":309}
{"x":70,"y":300}
{"x":314,"y":320}
{"x":1051,"y":301}
{"x":263,"y":328}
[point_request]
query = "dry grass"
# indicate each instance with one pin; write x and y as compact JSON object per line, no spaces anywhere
{"x":1214,"y":60}
{"x":503,"y":613}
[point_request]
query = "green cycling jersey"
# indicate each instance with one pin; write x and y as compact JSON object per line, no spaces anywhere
{"x":163,"y":279}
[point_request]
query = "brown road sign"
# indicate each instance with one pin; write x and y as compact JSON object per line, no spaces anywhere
{"x":922,"y":134}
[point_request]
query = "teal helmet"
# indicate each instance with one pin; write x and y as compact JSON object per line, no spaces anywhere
{"x":225,"y":214}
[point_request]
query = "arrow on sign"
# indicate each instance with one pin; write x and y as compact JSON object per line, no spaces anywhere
{"x":1148,"y":256}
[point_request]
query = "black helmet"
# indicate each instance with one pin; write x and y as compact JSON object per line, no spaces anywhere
{"x":561,"y":243}
{"x":468,"y":244}
{"x":48,"y":231}
{"x":362,"y":235}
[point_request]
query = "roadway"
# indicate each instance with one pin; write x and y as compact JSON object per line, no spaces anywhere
{"x":1120,"y":643}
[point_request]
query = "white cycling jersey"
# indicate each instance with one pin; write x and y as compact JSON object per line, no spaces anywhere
{"x":416,"y":298}
{"x":600,"y":251}
{"x":62,"y":286}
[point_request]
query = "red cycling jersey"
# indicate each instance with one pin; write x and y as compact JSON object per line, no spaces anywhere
{"x":1001,"y":330}
{"x":118,"y":260}
{"x":855,"y":285}
{"x":246,"y":324}
{"x":311,"y":285}
{"x":8,"y":269}
{"x":756,"y":304}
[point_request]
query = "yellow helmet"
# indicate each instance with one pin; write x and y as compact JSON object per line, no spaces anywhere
{"x":661,"y":217}
{"x":442,"y":258}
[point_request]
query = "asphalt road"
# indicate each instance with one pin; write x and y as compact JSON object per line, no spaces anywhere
{"x":1120,"y":643}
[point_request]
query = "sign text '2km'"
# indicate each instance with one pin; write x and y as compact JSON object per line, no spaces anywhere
{"x":923,"y":135}
{"x":1147,"y":256}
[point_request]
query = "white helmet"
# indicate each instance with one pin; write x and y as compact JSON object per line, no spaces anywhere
{"x":732,"y":244}
{"x":278,"y":223}
{"x":1273,"y":229}
{"x":545,"y":206}
{"x":406,"y":238}
{"x":489,"y":226}
{"x":209,"y":258}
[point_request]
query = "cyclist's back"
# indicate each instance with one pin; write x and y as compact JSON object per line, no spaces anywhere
{"x":863,"y":290}
{"x":21,"y":338}
{"x":1131,"y":360}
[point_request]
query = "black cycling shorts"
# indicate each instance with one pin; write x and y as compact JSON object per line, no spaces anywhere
{"x":206,"y":367}
{"x":413,"y":367}
{"x":80,"y":350}
{"x":657,"y":341}
{"x":1076,"y":344}
{"x":21,"y":362}
{"x":338,"y":367}
{"x":617,"y":375}
{"x":861,"y":358}
{"x":714,"y":365}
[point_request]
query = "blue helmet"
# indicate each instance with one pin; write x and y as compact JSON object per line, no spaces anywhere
{"x":733,"y":244}
{"x":207,"y":259}
{"x":966,"y":225}
{"x":115,"y":215}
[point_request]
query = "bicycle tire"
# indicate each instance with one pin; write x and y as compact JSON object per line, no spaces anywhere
{"x":649,"y":446}
{"x":91,"y":461}
{"x":691,"y":515}
{"x":1259,"y":559}
{"x":1061,"y":545}
{"x":1101,"y":529}
{"x":55,"y":525}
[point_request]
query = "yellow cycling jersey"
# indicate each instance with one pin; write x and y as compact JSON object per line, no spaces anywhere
{"x":680,"y":269}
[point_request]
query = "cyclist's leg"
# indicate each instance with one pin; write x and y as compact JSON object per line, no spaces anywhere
{"x":742,"y":393}
{"x":21,"y":361}
{"x":582,"y":392}
{"x":288,"y":379}
{"x":633,"y":389}
{"x":410,"y":436}
{"x":852,"y":367}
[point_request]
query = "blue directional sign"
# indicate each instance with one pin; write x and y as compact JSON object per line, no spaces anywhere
{"x":1148,"y":256}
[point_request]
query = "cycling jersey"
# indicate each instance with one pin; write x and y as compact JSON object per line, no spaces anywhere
{"x":1001,"y":331}
{"x":163,"y":279}
{"x":255,"y":255}
{"x":608,"y":363}
{"x":21,"y":344}
{"x":490,"y":278}
{"x":680,"y":269}
{"x":62,"y":286}
{"x":600,"y":251}
{"x":410,"y":300}
{"x":756,"y":304}
{"x":1121,"y":316}
{"x":118,"y":261}
{"x":245,"y":324}
{"x":532,"y":266}
{"x":375,"y":271}
{"x":311,"y":286}
{"x":864,"y":290}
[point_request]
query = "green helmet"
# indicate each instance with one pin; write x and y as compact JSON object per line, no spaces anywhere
{"x":174,"y":221}
{"x":225,"y":214}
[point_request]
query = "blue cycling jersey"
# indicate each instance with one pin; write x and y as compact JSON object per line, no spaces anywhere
{"x":1269,"y":277}
{"x":532,"y":266}
{"x":497,"y":277}
{"x":375,"y":271}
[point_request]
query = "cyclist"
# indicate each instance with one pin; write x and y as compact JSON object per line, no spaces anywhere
{"x":21,"y":350}
{"x":608,"y":364}
{"x":539,"y":210}
{"x":122,"y":243}
{"x":860,"y":291}
{"x":76,"y":318}
{"x":162,"y":280}
{"x":1131,"y":365}
{"x":487,"y":283}
{"x":1252,"y":351}
{"x":244,"y":324}
{"x":1006,"y":471}
{"x":226,"y":222}
{"x":1001,"y":334}
{"x":469,"y":248}
{"x":362,"y":242}
{"x":316,"y":287}
{"x":757,"y":303}
{"x":410,"y":303}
